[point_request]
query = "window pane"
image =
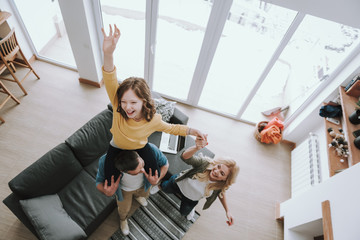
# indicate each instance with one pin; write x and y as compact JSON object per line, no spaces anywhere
{"x":180,"y":32}
{"x":315,"y":50}
{"x":129,"y":17}
{"x":46,"y":29}
{"x":251,"y":34}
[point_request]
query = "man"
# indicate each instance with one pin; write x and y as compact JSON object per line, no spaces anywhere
{"x":132,"y":182}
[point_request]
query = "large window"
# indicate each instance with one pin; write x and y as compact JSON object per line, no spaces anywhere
{"x":129,"y":16}
{"x":181,"y":26}
{"x":235,"y":57}
{"x":250,"y":37}
{"x":315,"y":50}
{"x":238,"y":58}
{"x":44,"y":24}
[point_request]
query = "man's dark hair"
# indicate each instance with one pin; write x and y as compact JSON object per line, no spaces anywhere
{"x":126,"y":160}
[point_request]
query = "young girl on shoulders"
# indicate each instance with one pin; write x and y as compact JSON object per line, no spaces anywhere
{"x":134,"y":115}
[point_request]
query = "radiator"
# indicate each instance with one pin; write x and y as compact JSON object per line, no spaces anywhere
{"x":305,"y":165}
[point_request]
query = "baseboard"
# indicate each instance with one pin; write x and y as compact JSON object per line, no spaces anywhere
{"x":278,"y":217}
{"x":92,"y":83}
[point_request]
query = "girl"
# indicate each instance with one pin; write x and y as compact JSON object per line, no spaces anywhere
{"x":134,"y":115}
{"x":207,"y":178}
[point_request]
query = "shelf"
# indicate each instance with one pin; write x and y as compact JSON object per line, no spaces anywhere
{"x":348,"y":104}
{"x":334,"y":160}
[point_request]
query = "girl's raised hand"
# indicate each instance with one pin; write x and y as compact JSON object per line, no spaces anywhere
{"x":110,"y":41}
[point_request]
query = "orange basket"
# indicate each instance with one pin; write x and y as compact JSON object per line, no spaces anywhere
{"x":259,"y":126}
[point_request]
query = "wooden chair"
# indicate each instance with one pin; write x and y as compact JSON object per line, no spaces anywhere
{"x":9,"y":48}
{"x":3,"y":89}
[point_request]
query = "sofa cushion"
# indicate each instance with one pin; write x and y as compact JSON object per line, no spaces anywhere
{"x":165,"y":108}
{"x":82,"y":201}
{"x":92,"y":140}
{"x":92,"y":168}
{"x":48,"y":174}
{"x":50,"y":220}
{"x":179,"y":117}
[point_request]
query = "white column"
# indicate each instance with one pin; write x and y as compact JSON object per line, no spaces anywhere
{"x":80,"y":25}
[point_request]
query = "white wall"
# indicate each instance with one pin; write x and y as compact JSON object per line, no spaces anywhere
{"x":342,"y":190}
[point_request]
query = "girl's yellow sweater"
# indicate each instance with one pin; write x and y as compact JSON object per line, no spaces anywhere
{"x":130,"y":134}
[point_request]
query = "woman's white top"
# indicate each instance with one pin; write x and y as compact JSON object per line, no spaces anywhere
{"x":193,"y":189}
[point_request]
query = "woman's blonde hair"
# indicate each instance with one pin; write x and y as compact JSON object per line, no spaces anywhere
{"x":220,"y":185}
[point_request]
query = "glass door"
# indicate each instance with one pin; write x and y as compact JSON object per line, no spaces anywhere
{"x":252,"y":33}
{"x":181,"y":26}
{"x":129,"y":17}
{"x":315,"y":50}
{"x":45,"y":26}
{"x":238,"y":58}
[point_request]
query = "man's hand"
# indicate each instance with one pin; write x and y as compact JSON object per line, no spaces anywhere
{"x":110,"y":190}
{"x":152,"y":179}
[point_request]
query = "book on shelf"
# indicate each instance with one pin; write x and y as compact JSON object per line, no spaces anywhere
{"x":356,"y":78}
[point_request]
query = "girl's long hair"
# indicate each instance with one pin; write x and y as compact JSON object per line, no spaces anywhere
{"x":142,"y":91}
{"x":219,"y":185}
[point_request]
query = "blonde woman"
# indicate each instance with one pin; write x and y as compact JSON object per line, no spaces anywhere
{"x":208,"y":178}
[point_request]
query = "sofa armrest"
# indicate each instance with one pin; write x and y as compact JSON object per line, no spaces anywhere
{"x":179,"y":117}
{"x":13,"y":203}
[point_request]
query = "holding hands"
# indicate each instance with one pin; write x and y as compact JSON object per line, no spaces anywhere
{"x":197,"y":133}
{"x":200,"y":143}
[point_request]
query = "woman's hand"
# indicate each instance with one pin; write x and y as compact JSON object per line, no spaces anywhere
{"x":201,"y":143}
{"x":230,"y":220}
{"x":109,"y":43}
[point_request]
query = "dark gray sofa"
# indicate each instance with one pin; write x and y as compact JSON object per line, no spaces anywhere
{"x":69,"y":170}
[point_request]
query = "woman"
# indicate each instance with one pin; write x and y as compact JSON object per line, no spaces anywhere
{"x":208,"y":178}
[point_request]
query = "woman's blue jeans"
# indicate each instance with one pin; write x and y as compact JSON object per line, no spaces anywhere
{"x":170,"y":186}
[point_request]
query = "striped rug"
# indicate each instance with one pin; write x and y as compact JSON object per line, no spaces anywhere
{"x":160,"y":219}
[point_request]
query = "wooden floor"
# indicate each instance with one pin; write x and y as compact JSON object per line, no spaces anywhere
{"x":57,"y":105}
